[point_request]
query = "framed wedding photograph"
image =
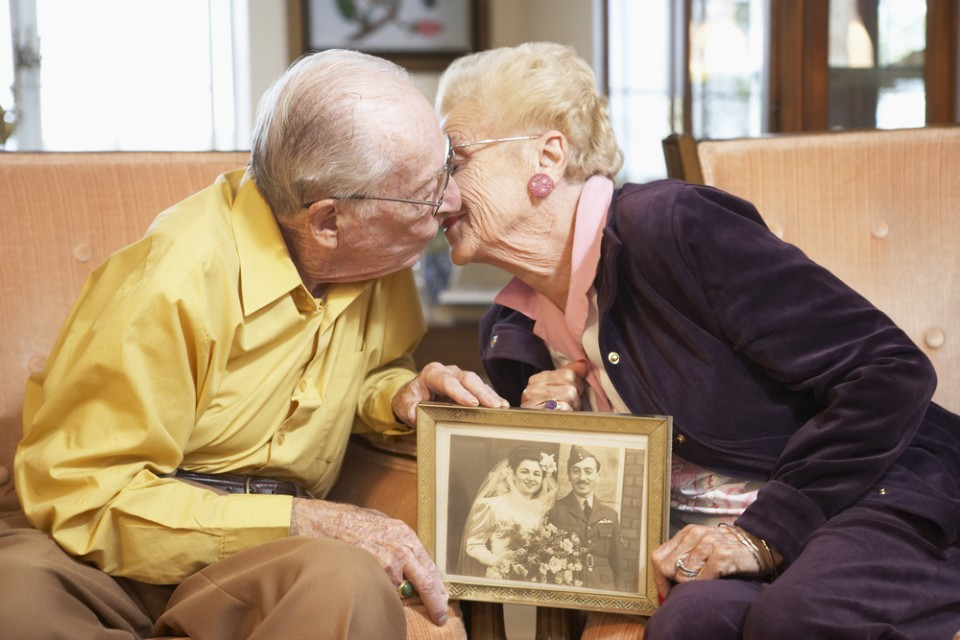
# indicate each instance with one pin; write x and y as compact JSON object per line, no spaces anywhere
{"x":549,"y":508}
{"x":418,"y":34}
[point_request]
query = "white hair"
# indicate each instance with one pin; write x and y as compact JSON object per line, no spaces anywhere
{"x":314,"y":136}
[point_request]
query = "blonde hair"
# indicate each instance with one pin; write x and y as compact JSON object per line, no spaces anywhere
{"x":532,"y":88}
{"x":312,"y":137}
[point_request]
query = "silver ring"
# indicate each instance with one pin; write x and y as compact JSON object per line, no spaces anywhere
{"x":686,"y":571}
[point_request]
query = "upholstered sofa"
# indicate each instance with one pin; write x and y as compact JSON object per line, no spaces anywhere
{"x":61,"y":214}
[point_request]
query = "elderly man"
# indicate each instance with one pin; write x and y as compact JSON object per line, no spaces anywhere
{"x":197,"y":404}
{"x":596,"y":524}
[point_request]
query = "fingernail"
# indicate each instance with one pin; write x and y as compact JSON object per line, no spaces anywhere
{"x":443,"y":620}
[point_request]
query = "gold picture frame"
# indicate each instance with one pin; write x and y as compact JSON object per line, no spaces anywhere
{"x":474,"y":512}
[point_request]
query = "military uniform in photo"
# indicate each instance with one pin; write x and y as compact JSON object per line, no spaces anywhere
{"x":599,"y":538}
{"x":597,"y":526}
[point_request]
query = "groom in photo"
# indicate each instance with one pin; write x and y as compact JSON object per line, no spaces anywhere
{"x":597,"y":525}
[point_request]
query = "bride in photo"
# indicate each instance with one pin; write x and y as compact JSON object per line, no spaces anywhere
{"x":510,"y":505}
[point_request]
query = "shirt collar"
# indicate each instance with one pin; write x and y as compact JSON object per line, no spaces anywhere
{"x":587,"y":235}
{"x":267,"y":272}
{"x":591,"y":217}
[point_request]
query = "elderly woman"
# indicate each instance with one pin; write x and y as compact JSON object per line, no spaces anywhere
{"x":802,"y":414}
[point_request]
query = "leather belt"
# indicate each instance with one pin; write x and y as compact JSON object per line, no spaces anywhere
{"x":235,"y":483}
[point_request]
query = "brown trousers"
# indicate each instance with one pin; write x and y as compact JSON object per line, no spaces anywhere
{"x":291,"y":588}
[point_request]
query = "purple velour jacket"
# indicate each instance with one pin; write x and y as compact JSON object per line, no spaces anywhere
{"x":771,"y":367}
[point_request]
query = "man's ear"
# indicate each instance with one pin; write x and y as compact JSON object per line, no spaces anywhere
{"x":553,"y":153}
{"x":322,"y":217}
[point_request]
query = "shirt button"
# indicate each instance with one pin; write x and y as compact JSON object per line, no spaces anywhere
{"x":302,"y":386}
{"x":281,"y":437}
{"x":881,"y":491}
{"x":681,"y":438}
{"x":493,"y":341}
{"x":613,"y":357}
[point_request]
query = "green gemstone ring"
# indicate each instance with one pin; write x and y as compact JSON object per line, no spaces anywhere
{"x":406,"y":590}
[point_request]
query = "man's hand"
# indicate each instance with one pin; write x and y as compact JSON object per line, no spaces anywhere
{"x":701,"y":553}
{"x":564,"y":385}
{"x":394,"y":545}
{"x":443,"y":381}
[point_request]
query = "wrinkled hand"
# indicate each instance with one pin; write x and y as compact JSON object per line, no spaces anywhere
{"x":565,"y":385}
{"x":714,"y":552}
{"x":448,"y":381}
{"x":393,"y":543}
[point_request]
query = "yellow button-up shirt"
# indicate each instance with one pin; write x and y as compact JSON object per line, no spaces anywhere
{"x":199,"y":347}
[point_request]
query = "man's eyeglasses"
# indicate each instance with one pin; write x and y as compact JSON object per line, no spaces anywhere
{"x":443,"y":179}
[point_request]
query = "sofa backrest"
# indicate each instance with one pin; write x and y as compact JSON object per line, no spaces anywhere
{"x":880,"y":208}
{"x":61,"y":215}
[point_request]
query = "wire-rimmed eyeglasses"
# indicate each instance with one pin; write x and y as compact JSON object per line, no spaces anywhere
{"x":492,"y":140}
{"x":443,"y":180}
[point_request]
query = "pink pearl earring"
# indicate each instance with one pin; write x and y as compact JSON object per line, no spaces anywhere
{"x":540,"y":185}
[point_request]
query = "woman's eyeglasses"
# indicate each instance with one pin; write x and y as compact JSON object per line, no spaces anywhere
{"x":492,"y":140}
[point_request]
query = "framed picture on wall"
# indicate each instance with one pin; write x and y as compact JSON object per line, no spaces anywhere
{"x":419,"y":34}
{"x":551,"y":508}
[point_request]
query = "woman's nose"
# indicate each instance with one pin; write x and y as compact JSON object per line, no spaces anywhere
{"x":451,"y":198}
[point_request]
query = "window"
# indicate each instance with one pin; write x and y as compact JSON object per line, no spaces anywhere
{"x":6,"y":70}
{"x":876,"y":57}
{"x":643,"y":95}
{"x":715,"y":88}
{"x":123,"y":75}
{"x":730,"y":68}
{"x":728,"y":59}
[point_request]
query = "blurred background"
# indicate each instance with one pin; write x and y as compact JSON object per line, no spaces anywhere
{"x":85,"y":75}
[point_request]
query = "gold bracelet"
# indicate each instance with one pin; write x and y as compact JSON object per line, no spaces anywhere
{"x":748,"y":543}
{"x":773,"y":563}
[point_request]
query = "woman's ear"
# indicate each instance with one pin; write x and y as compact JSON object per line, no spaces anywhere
{"x":322,"y":217}
{"x":553,"y":154}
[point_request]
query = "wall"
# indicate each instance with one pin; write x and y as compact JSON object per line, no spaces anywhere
{"x":512,"y":22}
{"x":275,"y":40}
{"x":565,"y":21}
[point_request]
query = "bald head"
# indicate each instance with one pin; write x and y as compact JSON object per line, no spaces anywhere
{"x":320,"y":127}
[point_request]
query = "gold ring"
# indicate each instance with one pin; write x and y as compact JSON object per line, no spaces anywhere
{"x":686,"y":571}
{"x":406,"y":590}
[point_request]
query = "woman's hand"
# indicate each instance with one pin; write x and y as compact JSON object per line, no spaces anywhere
{"x":701,"y":553}
{"x":393,"y":543}
{"x":449,"y":381}
{"x":564,"y":386}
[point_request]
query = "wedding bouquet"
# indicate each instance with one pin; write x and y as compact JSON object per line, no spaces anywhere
{"x":545,"y":554}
